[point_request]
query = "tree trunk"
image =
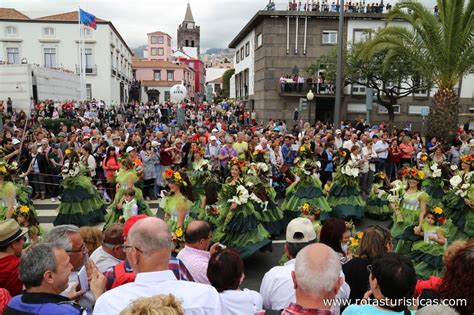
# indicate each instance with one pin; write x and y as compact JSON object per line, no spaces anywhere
{"x":391,"y":117}
{"x":443,"y":118}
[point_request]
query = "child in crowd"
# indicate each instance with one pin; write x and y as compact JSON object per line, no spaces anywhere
{"x":128,"y":204}
{"x":27,"y":218}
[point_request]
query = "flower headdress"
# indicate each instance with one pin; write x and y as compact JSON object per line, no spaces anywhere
{"x":174,"y":177}
{"x":6,"y":168}
{"x":307,"y":209}
{"x":241,"y":164}
{"x":23,"y":210}
{"x":412,"y":173}
{"x":343,"y":156}
{"x":424,"y":157}
{"x":198,"y":150}
{"x":467,"y":159}
{"x":438,"y":214}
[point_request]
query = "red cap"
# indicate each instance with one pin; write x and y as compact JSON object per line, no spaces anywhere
{"x":130,"y":222}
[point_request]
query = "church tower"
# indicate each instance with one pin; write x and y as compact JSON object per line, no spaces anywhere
{"x":188,"y":32}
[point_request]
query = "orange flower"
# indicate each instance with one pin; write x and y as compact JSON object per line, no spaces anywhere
{"x":242,"y":163}
{"x":442,"y":220}
{"x":404,"y":172}
{"x":413,"y":172}
{"x":168,"y":173}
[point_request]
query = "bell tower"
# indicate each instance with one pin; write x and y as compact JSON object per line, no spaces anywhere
{"x":189,"y":33}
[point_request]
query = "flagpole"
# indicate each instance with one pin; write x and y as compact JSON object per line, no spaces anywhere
{"x":80,"y":56}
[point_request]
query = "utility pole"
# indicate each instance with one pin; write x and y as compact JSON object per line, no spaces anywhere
{"x":339,"y":85}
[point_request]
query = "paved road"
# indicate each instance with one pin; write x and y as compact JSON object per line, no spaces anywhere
{"x":255,"y":266}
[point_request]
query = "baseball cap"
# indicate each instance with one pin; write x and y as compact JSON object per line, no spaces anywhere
{"x":338,"y":131}
{"x":130,"y":222}
{"x":16,"y":141}
{"x":213,"y":138}
{"x":129,"y":149}
{"x":62,"y":134}
{"x":300,"y":230}
{"x":215,"y":130}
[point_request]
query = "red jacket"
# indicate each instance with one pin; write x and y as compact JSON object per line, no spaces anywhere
{"x":9,"y":271}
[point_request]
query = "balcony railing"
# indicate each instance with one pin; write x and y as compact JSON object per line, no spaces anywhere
{"x":89,"y":69}
{"x":289,"y":88}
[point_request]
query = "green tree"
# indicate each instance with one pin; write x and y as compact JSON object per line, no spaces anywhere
{"x":226,"y":82}
{"x":441,"y":47}
{"x":389,"y":82}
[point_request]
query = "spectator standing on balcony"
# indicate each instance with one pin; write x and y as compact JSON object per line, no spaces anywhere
{"x":300,"y":83}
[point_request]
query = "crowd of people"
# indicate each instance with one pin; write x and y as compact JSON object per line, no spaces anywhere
{"x":227,"y":185}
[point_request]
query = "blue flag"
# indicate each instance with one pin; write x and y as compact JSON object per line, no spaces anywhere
{"x":88,"y":19}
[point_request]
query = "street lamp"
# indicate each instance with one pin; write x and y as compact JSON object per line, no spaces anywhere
{"x":309,"y":97}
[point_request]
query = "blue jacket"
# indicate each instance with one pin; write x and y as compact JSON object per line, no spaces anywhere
{"x":42,"y":303}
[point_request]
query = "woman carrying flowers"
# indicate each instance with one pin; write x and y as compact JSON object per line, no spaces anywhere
{"x":345,"y":196}
{"x":306,"y":189}
{"x":81,"y":203}
{"x":7,"y":193}
{"x":126,"y":178}
{"x":459,"y":201}
{"x":378,"y":206}
{"x":427,"y":253}
{"x":238,"y":225}
{"x":409,"y":210}
{"x":178,"y":202}
{"x":263,"y":198}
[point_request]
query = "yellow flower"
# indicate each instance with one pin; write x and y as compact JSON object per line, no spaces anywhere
{"x":302,"y":149}
{"x":354,"y":242}
{"x":360,"y":234}
{"x":177,"y":176}
{"x":421,"y":174}
{"x":121,"y":219}
{"x":3,"y":169}
{"x":438,"y":210}
{"x":67,"y":151}
{"x":382,"y":176}
{"x":306,"y":206}
{"x":24,"y":209}
{"x":179,"y":232}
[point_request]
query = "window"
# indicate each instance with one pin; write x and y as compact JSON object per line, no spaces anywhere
{"x":88,"y":57}
{"x":154,"y":39}
{"x":13,"y":55}
{"x":170,"y":75}
{"x":192,"y":43}
{"x":86,"y":32}
{"x":161,"y":51}
{"x":154,"y":51}
{"x":356,"y":108}
{"x":329,"y":37}
{"x":186,"y":43}
{"x":259,"y":40}
{"x":383,"y":110}
{"x":48,"y":32}
{"x":169,"y":41}
{"x":242,"y":53}
{"x":167,"y":95}
{"x":422,"y":92}
{"x":11,"y":31}
{"x":89,"y":91}
{"x":237,"y":56}
{"x":358,"y":89}
{"x":247,"y":49}
{"x":417,"y":109}
{"x":157,"y":75}
{"x":361,"y":35}
{"x":160,"y":40}
{"x":50,"y":57}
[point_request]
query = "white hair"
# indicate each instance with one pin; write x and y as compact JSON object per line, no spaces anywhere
{"x":317,"y":277}
{"x":436,"y":310}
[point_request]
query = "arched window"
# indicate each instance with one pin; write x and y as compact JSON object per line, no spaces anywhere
{"x":186,"y":43}
{"x":192,"y":43}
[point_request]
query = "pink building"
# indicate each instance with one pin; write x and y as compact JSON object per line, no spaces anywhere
{"x":159,"y":46}
{"x":158,"y":76}
{"x":199,"y":75}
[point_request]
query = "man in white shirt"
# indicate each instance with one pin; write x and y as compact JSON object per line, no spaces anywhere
{"x":148,"y":249}
{"x":338,"y":141}
{"x":381,"y":148}
{"x":111,"y":252}
{"x":195,"y":255}
{"x":351,"y":142}
{"x":277,"y":288}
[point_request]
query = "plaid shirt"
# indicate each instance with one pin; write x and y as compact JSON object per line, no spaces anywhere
{"x":179,"y":269}
{"x":295,"y":309}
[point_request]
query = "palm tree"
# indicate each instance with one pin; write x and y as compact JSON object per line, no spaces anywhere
{"x":441,"y":46}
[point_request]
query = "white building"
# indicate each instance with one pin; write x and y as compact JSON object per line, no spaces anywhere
{"x":53,"y":42}
{"x":242,"y":82}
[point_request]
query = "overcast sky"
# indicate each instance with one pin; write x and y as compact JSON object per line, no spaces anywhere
{"x":220,"y":20}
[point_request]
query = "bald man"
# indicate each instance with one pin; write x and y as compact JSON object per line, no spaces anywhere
{"x":148,"y":249}
{"x":316,"y":261}
{"x":196,"y":253}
